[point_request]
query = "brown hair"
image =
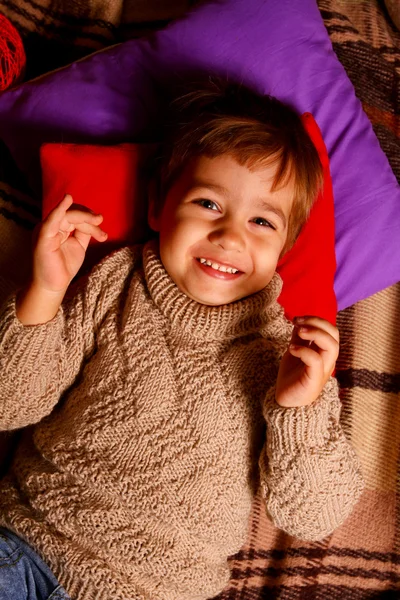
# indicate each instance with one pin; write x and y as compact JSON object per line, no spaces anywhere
{"x":218,"y":117}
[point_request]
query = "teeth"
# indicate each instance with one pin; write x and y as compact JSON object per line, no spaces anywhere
{"x":218,"y":267}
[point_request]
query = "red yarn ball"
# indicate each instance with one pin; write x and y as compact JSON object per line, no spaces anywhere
{"x":12,"y":54}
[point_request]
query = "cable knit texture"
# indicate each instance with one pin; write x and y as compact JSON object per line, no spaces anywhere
{"x":135,"y":477}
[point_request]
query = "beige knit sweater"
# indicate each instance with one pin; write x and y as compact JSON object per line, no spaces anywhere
{"x":136,"y":481}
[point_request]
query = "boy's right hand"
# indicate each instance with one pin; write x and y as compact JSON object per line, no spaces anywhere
{"x":60,"y":245}
{"x":59,"y":249}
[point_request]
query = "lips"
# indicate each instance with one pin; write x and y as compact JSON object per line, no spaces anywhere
{"x":218,"y":264}
{"x":218,"y":267}
{"x":213,"y":269}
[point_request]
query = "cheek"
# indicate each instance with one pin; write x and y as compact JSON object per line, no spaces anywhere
{"x":266,"y":254}
{"x":183,"y":231}
{"x":176,"y":239}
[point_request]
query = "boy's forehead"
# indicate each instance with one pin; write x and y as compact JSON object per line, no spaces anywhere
{"x":222,"y":172}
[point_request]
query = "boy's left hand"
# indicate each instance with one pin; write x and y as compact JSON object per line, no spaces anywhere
{"x":308,"y":362}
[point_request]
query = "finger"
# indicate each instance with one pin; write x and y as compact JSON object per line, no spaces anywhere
{"x":75,"y":215}
{"x":51,"y":224}
{"x":64,"y":235}
{"x":82,"y":238}
{"x":308,"y":356}
{"x":73,"y":218}
{"x":62,"y":219}
{"x":322,"y":339}
{"x":66,"y":227}
{"x":92,"y":230}
{"x":319,"y":323}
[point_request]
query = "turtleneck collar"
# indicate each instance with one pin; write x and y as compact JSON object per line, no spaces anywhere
{"x":208,"y":322}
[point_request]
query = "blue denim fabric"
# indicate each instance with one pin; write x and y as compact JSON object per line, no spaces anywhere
{"x":23,"y":574}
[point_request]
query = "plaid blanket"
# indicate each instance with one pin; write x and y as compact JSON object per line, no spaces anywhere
{"x":57,"y":32}
{"x":361,"y":560}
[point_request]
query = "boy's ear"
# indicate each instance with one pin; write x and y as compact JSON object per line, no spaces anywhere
{"x":153,"y":212}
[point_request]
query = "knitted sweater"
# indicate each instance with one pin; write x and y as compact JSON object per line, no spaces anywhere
{"x":136,"y":480}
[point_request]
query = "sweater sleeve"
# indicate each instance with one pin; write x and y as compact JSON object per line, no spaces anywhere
{"x":38,"y":363}
{"x":310,"y":475}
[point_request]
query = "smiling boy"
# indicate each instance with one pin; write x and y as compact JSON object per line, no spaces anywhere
{"x":149,"y":386}
{"x":222,"y":213}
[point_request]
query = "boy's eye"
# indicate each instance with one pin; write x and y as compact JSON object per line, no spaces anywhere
{"x":207,"y":204}
{"x":263,"y":222}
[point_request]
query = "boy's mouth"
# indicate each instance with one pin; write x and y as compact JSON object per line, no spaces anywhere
{"x":222,"y":269}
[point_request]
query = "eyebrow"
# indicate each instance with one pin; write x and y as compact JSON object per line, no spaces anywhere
{"x":210,"y":186}
{"x":262,"y":204}
{"x":265,"y":205}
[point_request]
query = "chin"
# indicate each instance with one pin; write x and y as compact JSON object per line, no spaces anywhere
{"x":212,"y":300}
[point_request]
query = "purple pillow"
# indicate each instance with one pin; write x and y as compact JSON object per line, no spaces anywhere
{"x":280,"y":47}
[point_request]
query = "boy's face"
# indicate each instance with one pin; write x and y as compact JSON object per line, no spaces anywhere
{"x":222,"y":213}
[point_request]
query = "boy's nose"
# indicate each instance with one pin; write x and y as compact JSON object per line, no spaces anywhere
{"x":228,"y":237}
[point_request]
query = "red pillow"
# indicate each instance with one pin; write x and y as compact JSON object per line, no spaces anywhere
{"x":308,"y":269}
{"x":107,"y":180}
{"x":102,"y":178}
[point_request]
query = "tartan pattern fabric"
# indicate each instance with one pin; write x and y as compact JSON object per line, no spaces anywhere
{"x":58,"y":32}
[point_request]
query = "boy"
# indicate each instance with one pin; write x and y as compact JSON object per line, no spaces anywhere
{"x":148,"y":386}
